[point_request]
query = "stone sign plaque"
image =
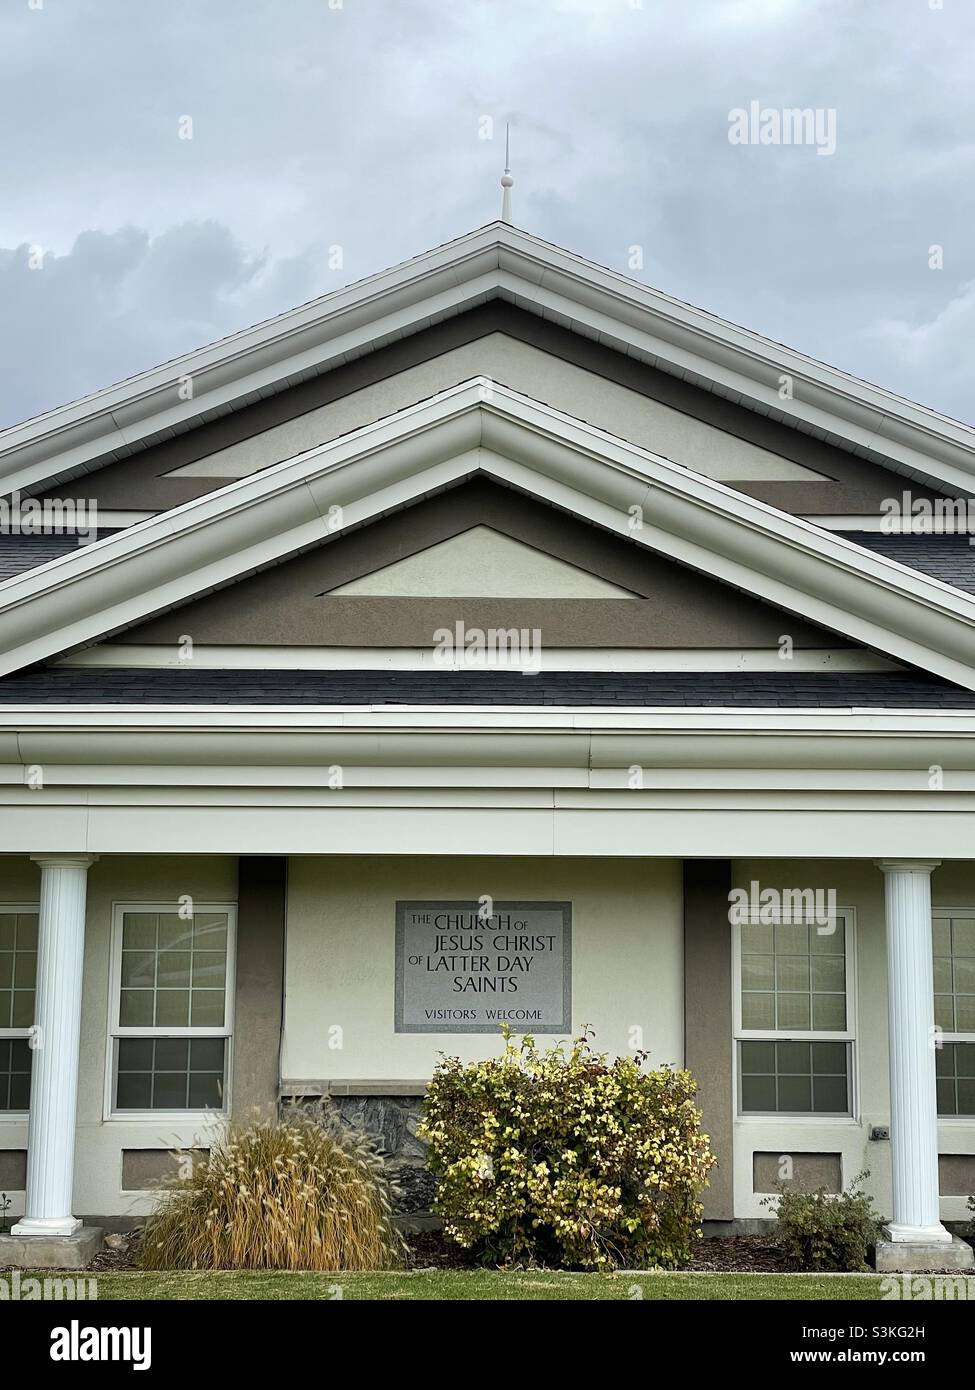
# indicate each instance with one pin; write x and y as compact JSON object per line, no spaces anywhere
{"x":459,"y":971}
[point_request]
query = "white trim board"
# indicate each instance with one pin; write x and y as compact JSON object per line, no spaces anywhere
{"x":216,"y":658}
{"x":495,"y":261}
{"x":480,"y":426}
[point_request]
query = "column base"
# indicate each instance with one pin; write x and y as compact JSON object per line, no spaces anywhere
{"x":50,"y":1252}
{"x":46,"y":1226}
{"x":917,"y":1235}
{"x":920,"y":1255}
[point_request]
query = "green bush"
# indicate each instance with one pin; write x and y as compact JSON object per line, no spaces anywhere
{"x":302,"y":1192}
{"x":825,"y":1230}
{"x":555,"y":1158}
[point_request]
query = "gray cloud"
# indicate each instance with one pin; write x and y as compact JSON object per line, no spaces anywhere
{"x":360,"y":126}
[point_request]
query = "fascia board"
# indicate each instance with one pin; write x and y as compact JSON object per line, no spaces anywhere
{"x":266,"y":516}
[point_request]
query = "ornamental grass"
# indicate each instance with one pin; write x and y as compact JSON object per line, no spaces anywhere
{"x":302,"y":1192}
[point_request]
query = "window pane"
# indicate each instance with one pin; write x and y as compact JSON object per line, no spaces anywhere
{"x":27,"y":931}
{"x":135,"y":1054}
{"x":139,"y":931}
{"x":944,"y":1012}
{"x":793,"y":1011}
{"x":756,"y":938}
{"x":207,"y":1008}
{"x":963,"y":936}
{"x":209,"y":968}
{"x":138,"y":969}
{"x":172,"y":1008}
{"x":134,"y":1091}
{"x":964,"y":973}
{"x":792,"y":972}
{"x":6,"y":969}
{"x":206,"y":1091}
{"x":757,"y":972}
{"x":175,"y":934}
{"x":135,"y":1008}
{"x":829,"y":940}
{"x":22,"y":1012}
{"x":942,"y":975}
{"x":758,"y":1011}
{"x":6,"y":1003}
{"x":169,"y":1090}
{"x":8,"y":931}
{"x":965,"y":1059}
{"x":829,"y":973}
{"x":795,"y":1093}
{"x":172,"y":1054}
{"x":758,"y":1056}
{"x":174,"y":969}
{"x":758,"y":1093}
{"x":946,"y":1096}
{"x":791,"y":939}
{"x":206,"y":1054}
{"x":941,"y":936}
{"x":830,"y":1095}
{"x":829,"y":1012}
{"x":965,"y":1013}
{"x":966,"y":1096}
{"x":792,"y":1057}
{"x":210,"y":931}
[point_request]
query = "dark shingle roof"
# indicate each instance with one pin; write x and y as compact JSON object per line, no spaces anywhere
{"x":173,"y":686}
{"x":21,"y":553}
{"x":949,"y":558}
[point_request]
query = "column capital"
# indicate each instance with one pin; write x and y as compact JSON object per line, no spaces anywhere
{"x":908,"y":866}
{"x":64,"y":861}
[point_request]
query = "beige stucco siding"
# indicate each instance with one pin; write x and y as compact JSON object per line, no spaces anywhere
{"x":627,"y":957}
{"x":538,"y":374}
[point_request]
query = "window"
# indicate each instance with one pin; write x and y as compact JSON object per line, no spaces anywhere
{"x":954,"y":1011}
{"x":794,"y":1017}
{"x":172,"y":1007}
{"x":18,"y":975}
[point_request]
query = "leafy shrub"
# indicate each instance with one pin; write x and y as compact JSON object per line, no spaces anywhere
{"x":825,"y":1230}
{"x":566,"y":1159}
{"x":302,"y":1192}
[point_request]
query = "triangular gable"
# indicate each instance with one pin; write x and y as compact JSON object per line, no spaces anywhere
{"x":495,"y":262}
{"x":483,"y":428}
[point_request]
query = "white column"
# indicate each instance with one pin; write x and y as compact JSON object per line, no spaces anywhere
{"x":910,"y":1023}
{"x":56,"y":1047}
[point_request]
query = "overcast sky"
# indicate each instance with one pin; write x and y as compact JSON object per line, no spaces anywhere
{"x":359,"y":124}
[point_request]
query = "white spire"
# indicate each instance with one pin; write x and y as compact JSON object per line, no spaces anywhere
{"x":506,"y":181}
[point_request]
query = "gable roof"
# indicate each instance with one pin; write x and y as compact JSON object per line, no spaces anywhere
{"x":496,"y":261}
{"x":480,"y":427}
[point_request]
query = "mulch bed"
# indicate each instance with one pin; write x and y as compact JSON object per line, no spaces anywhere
{"x":431,"y":1250}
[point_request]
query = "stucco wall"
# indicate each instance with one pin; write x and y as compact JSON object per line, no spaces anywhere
{"x":627,"y":954}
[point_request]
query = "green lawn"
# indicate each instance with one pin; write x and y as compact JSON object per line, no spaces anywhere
{"x":484,"y":1284}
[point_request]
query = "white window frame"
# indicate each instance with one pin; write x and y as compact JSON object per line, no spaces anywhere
{"x":18,"y":1116}
{"x":116,"y":1031}
{"x":847,"y":1035}
{"x":946,"y":913}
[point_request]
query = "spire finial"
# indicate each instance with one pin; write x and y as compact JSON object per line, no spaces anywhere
{"x":507,"y":181}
